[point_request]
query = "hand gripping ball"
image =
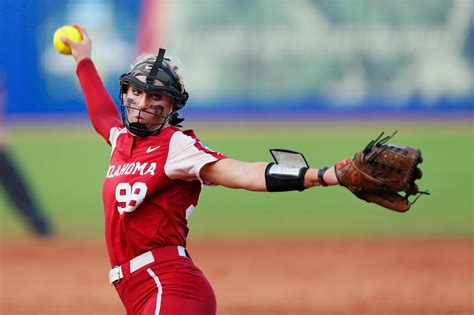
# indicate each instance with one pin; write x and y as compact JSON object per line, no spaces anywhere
{"x":66,"y":31}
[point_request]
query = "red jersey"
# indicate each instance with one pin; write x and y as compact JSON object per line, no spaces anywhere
{"x":152,"y":184}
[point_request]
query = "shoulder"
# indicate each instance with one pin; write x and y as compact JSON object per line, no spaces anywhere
{"x":190,"y":133}
{"x":169,"y":132}
{"x":187,"y":141}
{"x":181,"y":138}
{"x":177,"y":132}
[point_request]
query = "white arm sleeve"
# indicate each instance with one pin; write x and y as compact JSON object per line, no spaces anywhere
{"x":186,"y":158}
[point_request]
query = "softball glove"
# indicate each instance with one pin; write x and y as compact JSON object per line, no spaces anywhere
{"x":382,"y":172}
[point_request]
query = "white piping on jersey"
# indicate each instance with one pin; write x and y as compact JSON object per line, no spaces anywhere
{"x":115,"y":132}
{"x":189,"y":211}
{"x":160,"y":290}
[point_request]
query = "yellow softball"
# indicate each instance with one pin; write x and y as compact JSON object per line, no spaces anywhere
{"x":65,"y":31}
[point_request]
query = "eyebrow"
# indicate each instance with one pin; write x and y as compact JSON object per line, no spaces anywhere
{"x":136,"y":88}
{"x":155,"y":106}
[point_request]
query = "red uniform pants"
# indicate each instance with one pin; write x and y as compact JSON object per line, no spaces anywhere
{"x":167,"y":287}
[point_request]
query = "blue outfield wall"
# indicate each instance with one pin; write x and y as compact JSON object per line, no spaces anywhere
{"x":27,"y":54}
{"x":37,"y":80}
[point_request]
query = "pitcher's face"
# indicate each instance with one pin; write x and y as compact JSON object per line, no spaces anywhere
{"x":145,"y":108}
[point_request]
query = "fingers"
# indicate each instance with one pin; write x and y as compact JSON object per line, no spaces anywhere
{"x":420,"y":157}
{"x":418,"y":173}
{"x":67,"y":41}
{"x":85,"y":35}
{"x":413,"y":189}
{"x":82,"y":49}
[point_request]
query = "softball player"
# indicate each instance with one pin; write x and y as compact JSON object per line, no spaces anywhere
{"x":154,"y":180}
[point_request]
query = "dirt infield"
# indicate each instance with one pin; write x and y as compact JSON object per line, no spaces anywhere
{"x":256,"y":277}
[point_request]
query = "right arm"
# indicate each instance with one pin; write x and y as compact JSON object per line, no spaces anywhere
{"x":100,"y":105}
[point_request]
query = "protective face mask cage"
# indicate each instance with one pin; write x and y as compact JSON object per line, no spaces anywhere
{"x":140,"y":129}
{"x":171,"y":88}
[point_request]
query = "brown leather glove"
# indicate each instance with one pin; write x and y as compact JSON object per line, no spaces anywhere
{"x":380,"y":172}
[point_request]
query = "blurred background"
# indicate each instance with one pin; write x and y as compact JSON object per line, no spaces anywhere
{"x":322,"y":77}
{"x":266,"y":55}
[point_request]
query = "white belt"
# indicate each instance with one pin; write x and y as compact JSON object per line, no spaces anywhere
{"x":116,"y":273}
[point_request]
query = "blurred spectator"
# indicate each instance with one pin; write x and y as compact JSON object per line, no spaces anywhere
{"x":15,"y":186}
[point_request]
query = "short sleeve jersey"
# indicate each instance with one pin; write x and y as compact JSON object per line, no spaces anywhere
{"x":152,"y":184}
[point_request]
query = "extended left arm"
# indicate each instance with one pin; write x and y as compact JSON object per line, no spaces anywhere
{"x":251,"y":176}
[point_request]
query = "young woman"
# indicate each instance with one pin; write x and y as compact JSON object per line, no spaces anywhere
{"x":154,"y":180}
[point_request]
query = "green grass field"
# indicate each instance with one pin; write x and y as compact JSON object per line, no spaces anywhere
{"x":66,"y":167}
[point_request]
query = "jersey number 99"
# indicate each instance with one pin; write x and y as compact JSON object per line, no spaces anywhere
{"x":131,"y":196}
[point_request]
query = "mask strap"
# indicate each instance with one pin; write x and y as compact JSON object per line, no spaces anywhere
{"x":156,"y":66}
